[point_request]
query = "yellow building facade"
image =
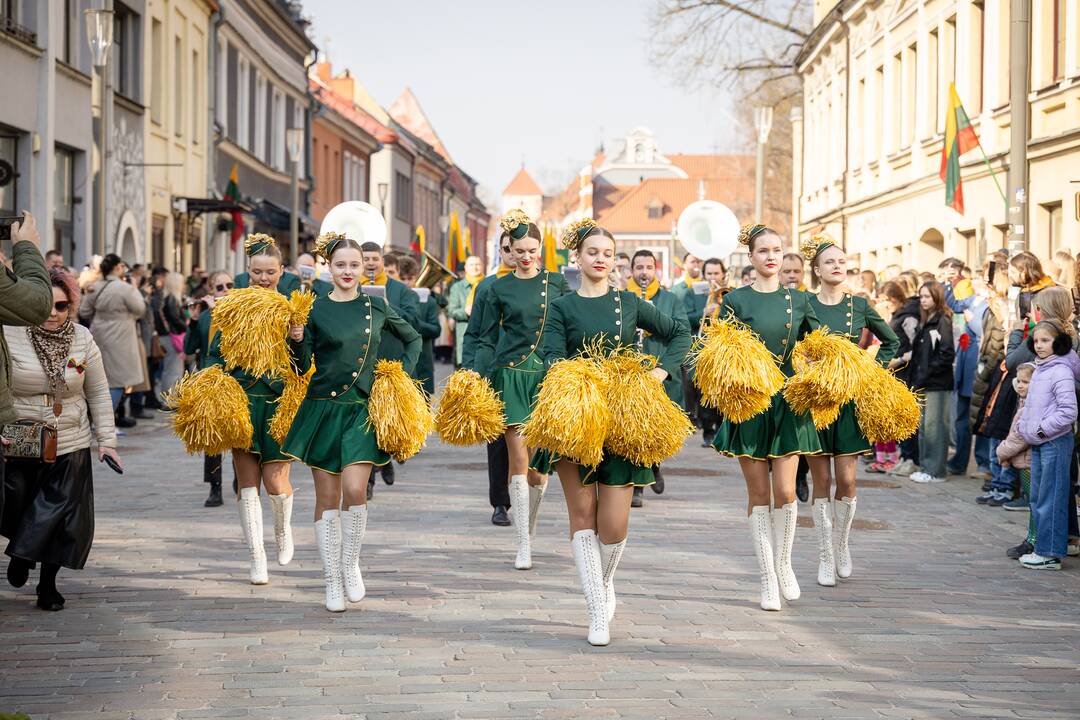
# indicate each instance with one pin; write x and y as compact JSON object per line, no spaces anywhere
{"x":876,"y":76}
{"x":177,"y":140}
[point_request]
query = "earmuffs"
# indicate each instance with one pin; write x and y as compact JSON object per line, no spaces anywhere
{"x":1062,"y":344}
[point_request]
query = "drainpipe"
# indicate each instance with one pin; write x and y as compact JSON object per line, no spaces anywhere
{"x":211,"y":132}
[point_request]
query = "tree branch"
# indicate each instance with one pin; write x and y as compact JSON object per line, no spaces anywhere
{"x":741,"y":8}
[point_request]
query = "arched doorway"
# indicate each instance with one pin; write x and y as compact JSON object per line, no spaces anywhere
{"x":930,"y":250}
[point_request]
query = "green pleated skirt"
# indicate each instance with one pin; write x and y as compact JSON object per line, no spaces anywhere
{"x":331,"y":434}
{"x":518,"y":387}
{"x":612,"y":470}
{"x":777,"y":432}
{"x":844,"y":436}
{"x":262,"y":409}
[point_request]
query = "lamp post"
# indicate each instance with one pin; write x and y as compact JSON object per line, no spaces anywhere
{"x":763,"y":120}
{"x":99,"y":34}
{"x":294,"y":140}
{"x":384,"y":190}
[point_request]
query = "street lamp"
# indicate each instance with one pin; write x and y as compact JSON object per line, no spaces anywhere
{"x":763,"y":120}
{"x":294,"y":141}
{"x":384,"y":190}
{"x":99,"y":34}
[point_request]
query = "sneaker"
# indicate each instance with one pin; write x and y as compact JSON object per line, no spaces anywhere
{"x":1020,"y":504}
{"x":927,"y":478}
{"x":986,"y":497}
{"x":1073,"y":550}
{"x":1035,"y":561}
{"x":917,"y":476}
{"x":881,"y":467}
{"x":1000,"y":499}
{"x":1024,"y":548}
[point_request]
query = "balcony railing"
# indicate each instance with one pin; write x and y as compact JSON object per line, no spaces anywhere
{"x":9,"y":26}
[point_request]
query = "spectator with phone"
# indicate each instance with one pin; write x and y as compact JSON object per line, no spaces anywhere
{"x":58,"y":379}
{"x":25,"y":299}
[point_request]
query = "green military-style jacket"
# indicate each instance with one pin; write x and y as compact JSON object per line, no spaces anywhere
{"x":575,"y":321}
{"x":286,"y":283}
{"x":430,"y":329}
{"x":344,"y":340}
{"x":197,"y":339}
{"x":780,"y":318}
{"x":669,"y":304}
{"x":514,"y":316}
{"x":406,"y":305}
{"x":476,"y":322}
{"x":25,"y":299}
{"x":850,"y":316}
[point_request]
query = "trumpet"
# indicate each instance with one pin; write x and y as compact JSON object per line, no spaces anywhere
{"x":433,"y":273}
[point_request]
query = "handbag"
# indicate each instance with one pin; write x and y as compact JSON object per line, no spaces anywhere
{"x":157,"y":350}
{"x":177,"y":342}
{"x":32,"y":440}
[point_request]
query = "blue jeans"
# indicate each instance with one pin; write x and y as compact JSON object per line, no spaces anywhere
{"x":933,"y":433}
{"x":1002,"y":479}
{"x":1050,"y":494}
{"x":116,"y":394}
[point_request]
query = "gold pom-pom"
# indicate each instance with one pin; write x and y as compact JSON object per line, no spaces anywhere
{"x":734,"y":370}
{"x":325,"y":244}
{"x":574,"y":233}
{"x":257,"y":242}
{"x":300,"y":303}
{"x":886,"y":409}
{"x":830,"y":371}
{"x":398,"y":411}
{"x":288,"y":404}
{"x":824,"y":416}
{"x":513,"y":219}
{"x":469,"y":411}
{"x":571,"y":415}
{"x":211,"y":413}
{"x":648,"y":428}
{"x":254,"y":325}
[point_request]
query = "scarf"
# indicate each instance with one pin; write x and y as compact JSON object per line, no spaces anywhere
{"x":473,"y":281}
{"x":503,"y":270}
{"x":650,"y":292}
{"x":52,"y":348}
{"x":1045,"y":282}
{"x":380,"y":279}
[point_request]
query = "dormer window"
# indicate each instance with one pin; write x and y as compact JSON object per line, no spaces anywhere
{"x":656,"y":209}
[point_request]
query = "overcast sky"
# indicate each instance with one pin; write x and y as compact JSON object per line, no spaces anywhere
{"x":509,"y":80}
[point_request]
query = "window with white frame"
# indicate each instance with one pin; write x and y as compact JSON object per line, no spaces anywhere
{"x":221,"y":111}
{"x":260,"y":116}
{"x":243,"y":107}
{"x":354,"y":177}
{"x":196,"y":91}
{"x":298,"y":122}
{"x":277,"y":130}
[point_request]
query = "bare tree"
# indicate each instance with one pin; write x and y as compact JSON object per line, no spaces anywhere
{"x":747,"y":47}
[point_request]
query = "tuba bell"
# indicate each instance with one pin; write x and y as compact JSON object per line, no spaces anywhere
{"x":708,"y":229}
{"x":433,"y":272}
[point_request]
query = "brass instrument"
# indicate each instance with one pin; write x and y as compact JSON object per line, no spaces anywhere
{"x":433,"y":273}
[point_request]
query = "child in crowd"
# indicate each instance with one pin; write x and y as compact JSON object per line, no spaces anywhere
{"x":1014,"y":452}
{"x":1046,"y":425}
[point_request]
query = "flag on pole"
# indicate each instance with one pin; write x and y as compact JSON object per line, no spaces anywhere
{"x":551,"y":250}
{"x":419,"y":241}
{"x":959,"y":138}
{"x":232,"y":194}
{"x":468,"y":243}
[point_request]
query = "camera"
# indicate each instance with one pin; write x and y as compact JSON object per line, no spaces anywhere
{"x":5,"y":226}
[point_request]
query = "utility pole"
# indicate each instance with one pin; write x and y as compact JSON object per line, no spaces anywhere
{"x":1019,"y":77}
{"x":763,"y":117}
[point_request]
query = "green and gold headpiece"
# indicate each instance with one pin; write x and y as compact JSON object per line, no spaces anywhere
{"x":749,"y":232}
{"x":516,"y":223}
{"x":814,"y":245}
{"x":576,"y":232}
{"x":257,"y":243}
{"x":325,"y":244}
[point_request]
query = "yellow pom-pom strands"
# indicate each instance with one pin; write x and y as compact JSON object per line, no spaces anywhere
{"x":288,"y":404}
{"x":571,"y":416}
{"x":648,"y":428}
{"x":886,"y":409}
{"x":469,"y":411}
{"x":211,"y":412}
{"x":823,"y":417}
{"x":398,"y":411}
{"x":830,"y":371}
{"x":736,"y":373}
{"x":254,"y":325}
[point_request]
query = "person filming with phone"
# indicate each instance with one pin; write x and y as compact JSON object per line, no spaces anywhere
{"x":57,"y":382}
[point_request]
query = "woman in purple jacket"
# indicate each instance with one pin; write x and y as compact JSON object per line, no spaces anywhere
{"x":1046,"y":423}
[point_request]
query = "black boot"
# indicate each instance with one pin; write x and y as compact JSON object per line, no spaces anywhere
{"x":370,"y":487}
{"x":637,"y":501}
{"x":499,"y":517}
{"x":658,"y":486}
{"x":214,"y":499}
{"x":121,"y":418}
{"x":212,"y":475}
{"x":18,"y":570}
{"x":801,"y":490}
{"x":138,"y":411}
{"x":48,"y":597}
{"x":387,"y":472}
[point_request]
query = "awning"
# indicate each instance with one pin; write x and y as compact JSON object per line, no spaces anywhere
{"x":202,"y":206}
{"x":270,"y":213}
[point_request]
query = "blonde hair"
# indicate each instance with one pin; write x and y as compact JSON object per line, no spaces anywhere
{"x":175,"y":285}
{"x":1055,"y":303}
{"x":1066,"y":265}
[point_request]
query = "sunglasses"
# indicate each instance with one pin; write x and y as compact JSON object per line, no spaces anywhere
{"x":223,"y":287}
{"x":61,"y":306}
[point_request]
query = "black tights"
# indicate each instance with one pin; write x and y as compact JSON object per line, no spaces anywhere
{"x":48,"y":576}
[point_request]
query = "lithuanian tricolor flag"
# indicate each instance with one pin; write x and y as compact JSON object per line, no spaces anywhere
{"x":959,"y":138}
{"x":232,"y":194}
{"x":554,"y":258}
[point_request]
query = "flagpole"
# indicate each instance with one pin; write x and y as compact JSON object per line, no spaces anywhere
{"x":993,"y":174}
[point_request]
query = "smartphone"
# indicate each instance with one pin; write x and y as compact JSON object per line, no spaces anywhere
{"x":113,"y":464}
{"x":5,"y":226}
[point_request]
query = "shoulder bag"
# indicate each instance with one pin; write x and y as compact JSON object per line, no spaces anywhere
{"x":32,"y":440}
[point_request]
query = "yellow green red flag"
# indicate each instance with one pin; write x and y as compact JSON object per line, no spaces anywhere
{"x":959,"y":138}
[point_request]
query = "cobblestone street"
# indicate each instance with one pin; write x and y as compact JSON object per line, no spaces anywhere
{"x":162,"y":623}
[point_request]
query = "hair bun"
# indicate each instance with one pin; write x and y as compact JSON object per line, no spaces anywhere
{"x":516,"y":223}
{"x":255,"y":243}
{"x":576,"y":232}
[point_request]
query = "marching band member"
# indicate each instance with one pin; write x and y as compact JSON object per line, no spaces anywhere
{"x":514,"y":317}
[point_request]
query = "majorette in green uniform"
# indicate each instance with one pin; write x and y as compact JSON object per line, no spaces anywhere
{"x":331,"y":433}
{"x":843,"y":314}
{"x":769,"y":443}
{"x":262,"y":462}
{"x":513,"y":317}
{"x":598,"y":500}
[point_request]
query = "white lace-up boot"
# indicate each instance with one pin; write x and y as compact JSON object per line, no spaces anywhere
{"x":761,"y":532}
{"x":353,"y":529}
{"x":586,"y":547}
{"x":826,"y":574}
{"x":328,"y":536}
{"x":783,"y":526}
{"x":845,"y":514}
{"x":252,"y":524}
{"x":519,"y":502}
{"x":609,"y":557}
{"x":282,"y":505}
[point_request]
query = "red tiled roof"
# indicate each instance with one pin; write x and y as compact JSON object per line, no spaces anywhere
{"x":351,"y":112}
{"x":630,"y":214}
{"x":713,"y":166}
{"x":407,"y":111}
{"x":523,"y":184}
